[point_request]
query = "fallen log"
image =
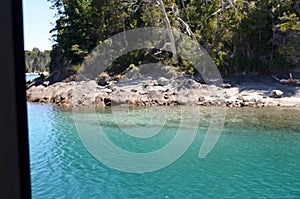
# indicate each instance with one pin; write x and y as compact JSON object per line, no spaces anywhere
{"x":290,"y":81}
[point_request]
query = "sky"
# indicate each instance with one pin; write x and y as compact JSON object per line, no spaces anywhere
{"x":37,"y":19}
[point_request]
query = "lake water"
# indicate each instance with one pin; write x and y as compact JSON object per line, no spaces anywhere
{"x":257,"y":156}
{"x":31,"y":76}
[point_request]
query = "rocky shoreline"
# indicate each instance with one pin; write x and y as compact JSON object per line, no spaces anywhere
{"x":240,"y":91}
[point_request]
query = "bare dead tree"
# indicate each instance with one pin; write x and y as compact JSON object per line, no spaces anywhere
{"x":228,"y":4}
{"x":170,"y":31}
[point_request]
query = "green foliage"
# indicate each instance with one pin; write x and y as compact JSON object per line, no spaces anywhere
{"x":253,"y":35}
{"x":222,"y":59}
{"x":76,"y":68}
{"x":36,"y":60}
{"x":290,"y":23}
{"x":77,"y":51}
{"x":131,"y":66}
{"x":187,"y":67}
{"x":289,"y":38}
{"x":275,"y":65}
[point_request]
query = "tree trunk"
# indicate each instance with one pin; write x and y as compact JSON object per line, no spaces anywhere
{"x":170,"y":32}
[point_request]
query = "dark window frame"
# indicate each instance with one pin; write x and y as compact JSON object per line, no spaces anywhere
{"x":14,"y":148}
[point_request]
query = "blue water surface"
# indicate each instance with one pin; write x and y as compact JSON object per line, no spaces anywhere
{"x":257,"y":156}
{"x":31,"y":76}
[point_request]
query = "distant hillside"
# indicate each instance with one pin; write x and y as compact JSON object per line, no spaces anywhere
{"x":36,"y":60}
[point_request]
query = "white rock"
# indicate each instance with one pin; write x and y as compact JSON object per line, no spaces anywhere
{"x":276,"y":94}
{"x":107,"y":90}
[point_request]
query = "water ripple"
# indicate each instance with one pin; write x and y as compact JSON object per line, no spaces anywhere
{"x":257,"y":156}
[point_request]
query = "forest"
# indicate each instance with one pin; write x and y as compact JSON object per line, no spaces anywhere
{"x":36,"y":60}
{"x":261,"y":36}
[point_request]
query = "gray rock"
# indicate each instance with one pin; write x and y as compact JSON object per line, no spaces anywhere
{"x":103,"y":81}
{"x":198,"y":78}
{"x":133,"y":73}
{"x":158,"y":89}
{"x":147,"y":83}
{"x":201,"y":99}
{"x":227,"y":96}
{"x":276,"y":94}
{"x":162,"y":81}
{"x":240,"y":97}
{"x":91,"y":85}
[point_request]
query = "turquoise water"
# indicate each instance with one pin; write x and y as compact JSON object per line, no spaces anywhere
{"x":257,"y":156}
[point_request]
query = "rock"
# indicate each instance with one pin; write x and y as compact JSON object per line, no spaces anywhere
{"x":160,"y":89}
{"x":147,"y":83}
{"x":198,"y":78}
{"x":90,"y":85}
{"x":201,"y":99}
{"x":107,"y":90}
{"x":240,"y":98}
{"x":99,"y":101}
{"x":187,"y":84}
{"x":171,"y":73}
{"x":102,"y":79}
{"x":227,"y":96}
{"x":227,"y":85}
{"x":276,"y":94}
{"x":133,"y":73}
{"x":46,"y":83}
{"x":115,"y":100}
{"x":162,"y":81}
{"x":70,"y":93}
{"x":70,"y":79}
{"x":157,"y":70}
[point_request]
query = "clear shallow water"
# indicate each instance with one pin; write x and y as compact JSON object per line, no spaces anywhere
{"x":257,"y":156}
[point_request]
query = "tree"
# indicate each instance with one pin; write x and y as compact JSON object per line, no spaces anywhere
{"x":253,"y":35}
